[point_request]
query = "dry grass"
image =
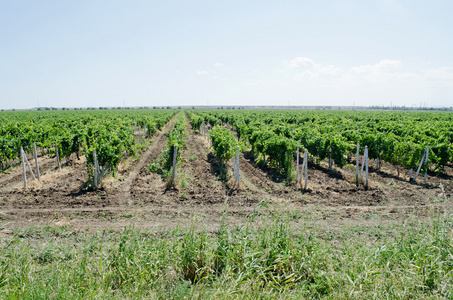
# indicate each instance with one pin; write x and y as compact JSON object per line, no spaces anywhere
{"x":44,"y":179}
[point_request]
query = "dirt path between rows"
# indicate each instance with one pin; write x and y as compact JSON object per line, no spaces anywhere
{"x":125,"y":189}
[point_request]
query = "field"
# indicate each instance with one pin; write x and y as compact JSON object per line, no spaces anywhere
{"x":150,"y":238}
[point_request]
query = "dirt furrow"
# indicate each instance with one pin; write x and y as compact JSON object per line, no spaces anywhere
{"x":146,"y":186}
{"x":199,"y":181}
{"x":150,"y":154}
{"x":258,"y":178}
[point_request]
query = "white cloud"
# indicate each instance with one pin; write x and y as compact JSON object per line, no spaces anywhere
{"x":303,"y":63}
{"x":202,"y":73}
{"x":330,"y":70}
{"x":385,"y":65}
{"x":304,"y":68}
{"x":444,"y":75}
{"x":307,"y":67}
{"x":385,"y":70}
{"x":218,"y":65}
{"x":385,"y":81}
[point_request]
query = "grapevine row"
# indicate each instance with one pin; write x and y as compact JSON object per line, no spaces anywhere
{"x":396,"y":137}
{"x":110,"y":133}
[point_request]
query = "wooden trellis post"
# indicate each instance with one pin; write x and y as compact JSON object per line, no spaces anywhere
{"x":357,"y":167}
{"x":23,"y":166}
{"x":377,"y":160}
{"x":297,"y":165}
{"x":366,"y":167}
{"x":234,"y":168}
{"x":95,"y":161}
{"x":35,"y":153}
{"x":58,"y":157}
{"x":411,"y":171}
{"x":330,"y":158}
{"x":424,"y":159}
{"x":237,"y":165}
{"x":28,"y":163}
{"x":175,"y":151}
{"x":363,"y":163}
{"x":306,"y":168}
{"x":304,"y":171}
{"x":427,"y":164}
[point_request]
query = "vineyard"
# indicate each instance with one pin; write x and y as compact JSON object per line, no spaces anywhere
{"x":260,"y":185}
{"x":110,"y":134}
{"x":128,"y":156}
{"x":397,"y":138}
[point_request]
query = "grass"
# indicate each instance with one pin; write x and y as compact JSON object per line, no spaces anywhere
{"x":264,"y":258}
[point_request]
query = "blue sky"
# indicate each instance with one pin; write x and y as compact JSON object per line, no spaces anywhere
{"x":146,"y":53}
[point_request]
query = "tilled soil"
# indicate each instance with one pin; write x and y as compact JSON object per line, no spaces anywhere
{"x":203,"y":193}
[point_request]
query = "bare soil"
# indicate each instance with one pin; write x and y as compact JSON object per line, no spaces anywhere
{"x":138,"y":197}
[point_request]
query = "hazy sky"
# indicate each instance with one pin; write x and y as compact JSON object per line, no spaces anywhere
{"x":145,"y":53}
